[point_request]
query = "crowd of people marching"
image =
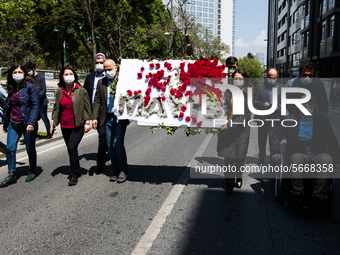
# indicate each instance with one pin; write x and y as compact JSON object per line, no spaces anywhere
{"x":311,"y":141}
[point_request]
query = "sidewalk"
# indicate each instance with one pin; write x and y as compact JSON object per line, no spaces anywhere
{"x":21,"y":147}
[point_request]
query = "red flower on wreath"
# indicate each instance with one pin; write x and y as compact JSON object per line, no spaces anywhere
{"x":152,"y":65}
{"x":158,"y":65}
{"x":140,"y":75}
{"x":181,"y":115}
{"x":194,"y":120}
{"x":183,"y":108}
{"x":199,"y":123}
{"x":129,"y":92}
{"x":187,"y":118}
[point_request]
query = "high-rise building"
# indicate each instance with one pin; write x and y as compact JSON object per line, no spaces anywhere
{"x":304,"y":30}
{"x":216,"y":15}
{"x":260,"y":57}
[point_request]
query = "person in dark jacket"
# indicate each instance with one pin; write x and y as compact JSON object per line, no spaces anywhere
{"x":72,"y":111}
{"x":43,"y":101}
{"x":233,"y":140}
{"x":310,"y":144}
{"x":90,"y":85}
{"x":20,"y":117}
{"x":263,"y":100}
{"x":317,"y":89}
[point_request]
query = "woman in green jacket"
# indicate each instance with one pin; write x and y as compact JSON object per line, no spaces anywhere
{"x":72,"y":110}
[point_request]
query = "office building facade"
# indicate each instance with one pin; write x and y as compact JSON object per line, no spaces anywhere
{"x":304,"y":30}
{"x":216,"y":15}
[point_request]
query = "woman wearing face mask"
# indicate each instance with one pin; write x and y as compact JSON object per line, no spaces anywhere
{"x":20,"y":117}
{"x":72,"y":110}
{"x":233,"y":139}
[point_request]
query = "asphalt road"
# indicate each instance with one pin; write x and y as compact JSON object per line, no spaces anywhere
{"x":159,"y":210}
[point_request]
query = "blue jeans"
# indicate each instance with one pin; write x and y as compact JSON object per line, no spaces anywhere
{"x":115,"y":133}
{"x":43,"y":115}
{"x":13,"y":136}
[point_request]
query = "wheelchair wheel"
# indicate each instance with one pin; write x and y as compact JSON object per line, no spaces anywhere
{"x":330,"y":196}
{"x":279,"y":183}
{"x":287,"y":202}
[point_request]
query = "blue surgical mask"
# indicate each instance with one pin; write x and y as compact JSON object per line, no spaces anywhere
{"x":306,"y":81}
{"x":271,"y":81}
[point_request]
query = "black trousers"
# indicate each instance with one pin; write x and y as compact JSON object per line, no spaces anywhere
{"x":234,"y":165}
{"x":72,"y":138}
{"x":102,"y":146}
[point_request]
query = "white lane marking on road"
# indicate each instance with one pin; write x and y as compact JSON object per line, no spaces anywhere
{"x":52,"y":148}
{"x":153,"y":230}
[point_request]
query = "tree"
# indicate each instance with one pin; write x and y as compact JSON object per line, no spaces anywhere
{"x":251,"y":66}
{"x":250,"y":56}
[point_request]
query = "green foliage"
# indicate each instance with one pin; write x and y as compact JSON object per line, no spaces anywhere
{"x":168,"y":130}
{"x":251,"y":66}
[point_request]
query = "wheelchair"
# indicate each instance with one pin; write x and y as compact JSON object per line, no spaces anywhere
{"x":284,"y":190}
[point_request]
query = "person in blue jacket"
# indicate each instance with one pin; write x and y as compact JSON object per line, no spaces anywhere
{"x":20,"y":117}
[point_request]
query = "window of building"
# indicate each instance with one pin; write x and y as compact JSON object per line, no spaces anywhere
{"x":205,"y":4}
{"x":205,"y":20}
{"x":324,"y":7}
{"x":331,"y":4}
{"x":219,"y":11}
{"x":199,"y":3}
{"x":199,"y":9}
{"x":219,"y":5}
{"x":205,"y":25}
{"x":219,"y":1}
{"x":211,"y":0}
{"x":205,"y":9}
{"x":193,"y":2}
{"x":193,"y":13}
{"x":211,"y":26}
{"x":323,"y":30}
{"x":211,"y":21}
{"x":218,"y":32}
{"x":187,"y":13}
{"x":307,"y":14}
{"x":193,"y":8}
{"x":233,"y":32}
{"x":211,"y":5}
{"x":199,"y":20}
{"x":211,"y":16}
{"x":219,"y":16}
{"x":219,"y":22}
{"x":205,"y":15}
{"x":211,"y":10}
{"x":199,"y":14}
{"x":331,"y":26}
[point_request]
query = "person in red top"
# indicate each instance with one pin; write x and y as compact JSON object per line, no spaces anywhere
{"x":72,"y":110}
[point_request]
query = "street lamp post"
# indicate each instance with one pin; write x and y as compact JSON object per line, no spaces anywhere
{"x":64,"y":43}
{"x":172,"y":32}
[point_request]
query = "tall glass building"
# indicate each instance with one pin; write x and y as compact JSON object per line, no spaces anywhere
{"x":216,"y":15}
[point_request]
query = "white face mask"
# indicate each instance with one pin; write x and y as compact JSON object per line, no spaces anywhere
{"x":100,"y":68}
{"x":110,"y":74}
{"x":238,"y":83}
{"x":31,"y":73}
{"x":19,"y":77}
{"x":69,"y":79}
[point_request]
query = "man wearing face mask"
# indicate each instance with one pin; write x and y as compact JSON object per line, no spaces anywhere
{"x":263,"y":100}
{"x":43,"y":101}
{"x":90,"y":85}
{"x":311,"y":143}
{"x":315,"y":86}
{"x":103,"y":116}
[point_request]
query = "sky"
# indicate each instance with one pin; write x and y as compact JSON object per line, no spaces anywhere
{"x":251,"y":27}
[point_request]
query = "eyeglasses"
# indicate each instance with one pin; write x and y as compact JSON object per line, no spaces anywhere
{"x":99,"y":62}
